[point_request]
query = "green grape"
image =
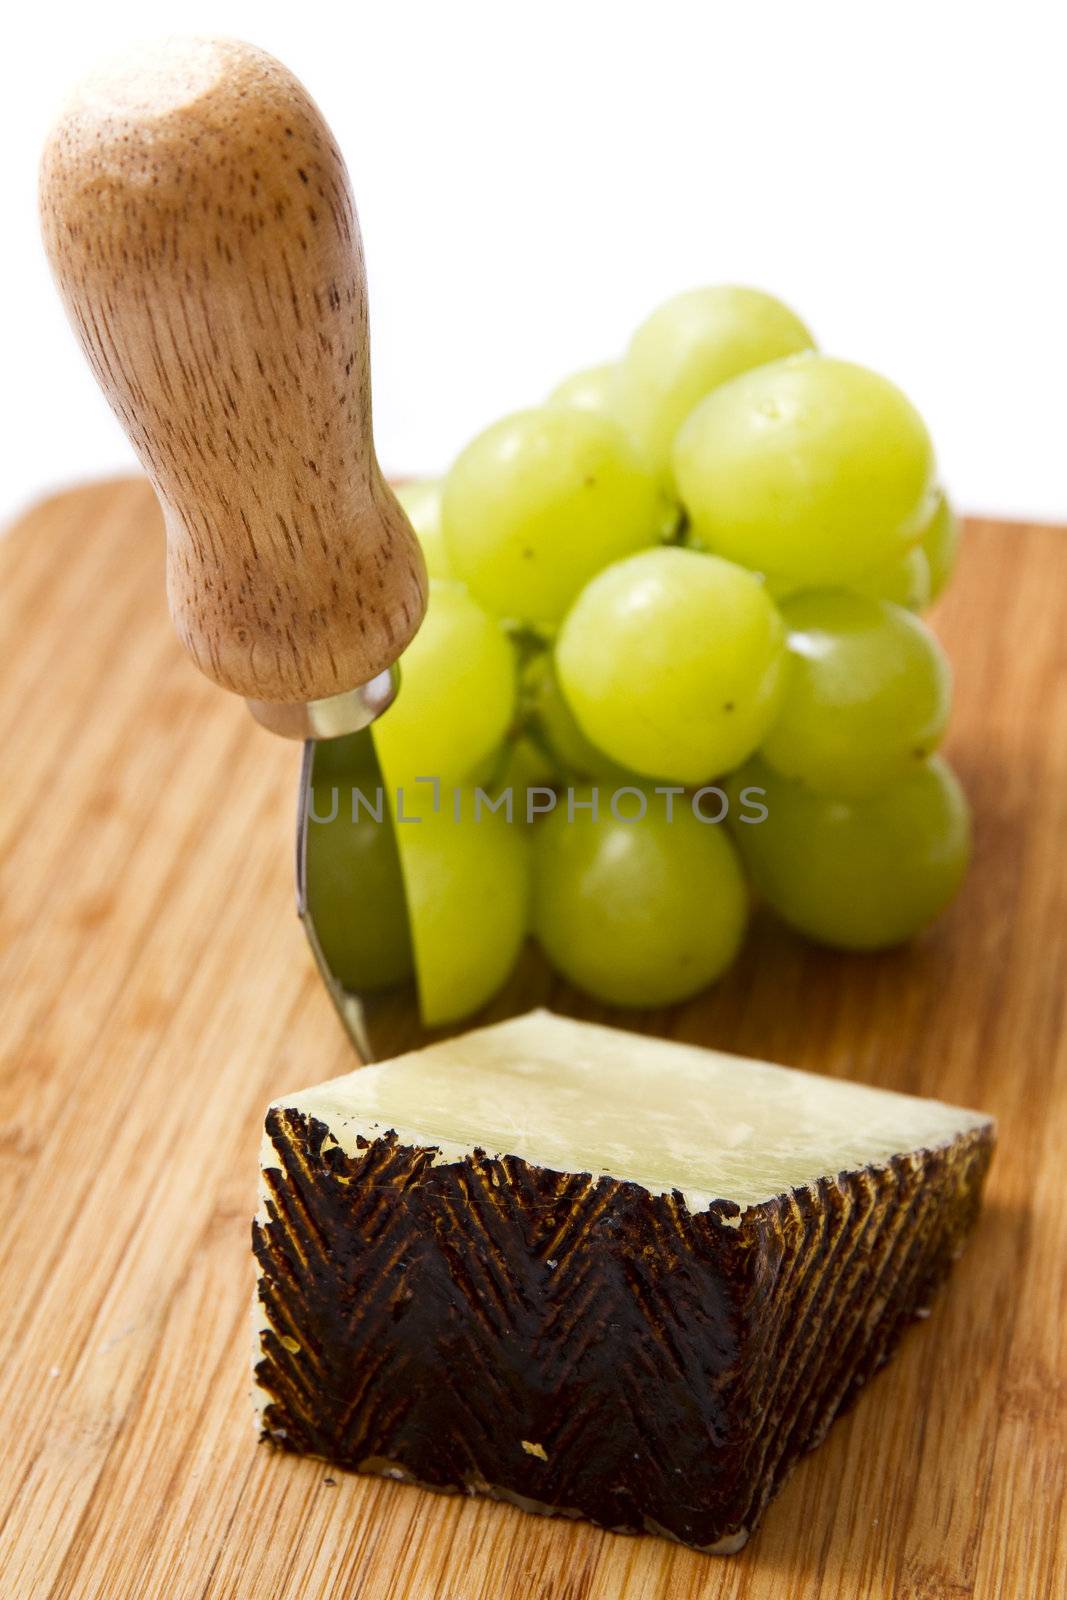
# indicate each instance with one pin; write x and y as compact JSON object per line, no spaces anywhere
{"x":672,"y":663}
{"x":421,"y":499}
{"x":867,"y":694}
{"x":457,"y":691}
{"x":905,"y":580}
{"x":811,"y":469}
{"x":467,"y":885}
{"x":778,"y":589}
{"x":639,"y":913}
{"x":554,"y":721}
{"x":591,"y":389}
{"x":860,"y":874}
{"x":688,"y":347}
{"x":940,"y":543}
{"x":355,"y":892}
{"x":539,"y":503}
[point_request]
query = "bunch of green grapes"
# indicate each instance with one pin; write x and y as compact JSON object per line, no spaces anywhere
{"x":673,"y":654}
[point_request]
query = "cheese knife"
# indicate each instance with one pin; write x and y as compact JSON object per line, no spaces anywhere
{"x":200,"y":225}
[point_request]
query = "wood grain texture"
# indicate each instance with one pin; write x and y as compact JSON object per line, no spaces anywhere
{"x":202,"y":232}
{"x":157,"y":992}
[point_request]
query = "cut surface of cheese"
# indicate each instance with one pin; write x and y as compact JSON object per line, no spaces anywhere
{"x":593,"y":1273}
{"x":577,"y":1097}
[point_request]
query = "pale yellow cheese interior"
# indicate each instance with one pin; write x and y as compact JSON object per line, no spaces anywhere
{"x":580,"y":1098}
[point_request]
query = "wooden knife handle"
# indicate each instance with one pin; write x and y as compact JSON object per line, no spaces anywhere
{"x":201,"y":228}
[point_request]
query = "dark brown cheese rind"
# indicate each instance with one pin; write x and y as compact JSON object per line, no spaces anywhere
{"x":576,"y":1344}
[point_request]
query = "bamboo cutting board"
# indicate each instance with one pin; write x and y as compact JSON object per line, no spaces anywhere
{"x":157,"y":992}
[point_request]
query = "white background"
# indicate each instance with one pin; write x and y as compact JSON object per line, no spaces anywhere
{"x":534,"y":177}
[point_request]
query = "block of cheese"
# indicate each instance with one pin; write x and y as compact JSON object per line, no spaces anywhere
{"x":593,"y":1273}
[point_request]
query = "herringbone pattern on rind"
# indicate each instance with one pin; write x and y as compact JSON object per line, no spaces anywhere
{"x":672,"y":1368}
